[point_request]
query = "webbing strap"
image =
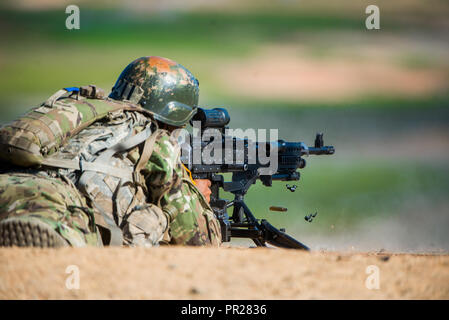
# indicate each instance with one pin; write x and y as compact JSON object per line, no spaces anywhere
{"x":101,"y":167}
{"x":123,"y":145}
{"x":144,"y":158}
{"x":50,"y":101}
{"x":148,"y":150}
{"x":116,"y":232}
{"x":101,"y":163}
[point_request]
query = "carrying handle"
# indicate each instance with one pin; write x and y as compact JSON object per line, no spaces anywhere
{"x":50,"y":101}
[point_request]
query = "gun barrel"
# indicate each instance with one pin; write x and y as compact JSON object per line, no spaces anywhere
{"x":321,"y":150}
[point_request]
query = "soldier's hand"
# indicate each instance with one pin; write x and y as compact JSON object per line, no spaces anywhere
{"x":204,"y":186}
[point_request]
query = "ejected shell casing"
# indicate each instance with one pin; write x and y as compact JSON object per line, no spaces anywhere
{"x":280,"y":209}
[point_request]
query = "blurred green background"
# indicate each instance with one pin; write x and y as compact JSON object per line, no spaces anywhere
{"x":380,"y":96}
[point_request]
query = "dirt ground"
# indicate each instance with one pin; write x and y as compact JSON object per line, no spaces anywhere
{"x":225,"y":273}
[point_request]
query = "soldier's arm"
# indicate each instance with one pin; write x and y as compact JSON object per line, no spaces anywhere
{"x":162,"y":175}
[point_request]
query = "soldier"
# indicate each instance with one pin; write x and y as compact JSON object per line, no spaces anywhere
{"x":83,"y":169}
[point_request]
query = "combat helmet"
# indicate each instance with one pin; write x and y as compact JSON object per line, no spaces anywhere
{"x":160,"y":85}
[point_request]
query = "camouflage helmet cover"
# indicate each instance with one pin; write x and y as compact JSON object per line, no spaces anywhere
{"x":160,"y":85}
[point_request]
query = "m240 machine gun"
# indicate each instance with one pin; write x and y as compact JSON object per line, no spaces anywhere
{"x":242,"y":158}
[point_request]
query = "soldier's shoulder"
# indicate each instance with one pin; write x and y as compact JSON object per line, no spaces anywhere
{"x":166,"y":143}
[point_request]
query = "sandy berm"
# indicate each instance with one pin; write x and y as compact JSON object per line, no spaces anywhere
{"x":225,"y":273}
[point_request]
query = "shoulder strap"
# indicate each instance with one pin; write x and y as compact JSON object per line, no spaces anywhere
{"x":50,"y":101}
{"x":101,"y":163}
{"x":98,"y":166}
{"x":147,"y":151}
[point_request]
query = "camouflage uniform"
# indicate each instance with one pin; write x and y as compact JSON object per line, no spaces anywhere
{"x":51,"y":197}
{"x":137,"y":196}
{"x":195,"y":223}
{"x":168,"y":97}
{"x":52,"y":201}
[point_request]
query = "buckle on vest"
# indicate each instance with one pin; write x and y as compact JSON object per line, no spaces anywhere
{"x":92,"y":92}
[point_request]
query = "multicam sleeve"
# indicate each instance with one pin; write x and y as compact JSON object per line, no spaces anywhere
{"x":162,"y":173}
{"x":191,"y":220}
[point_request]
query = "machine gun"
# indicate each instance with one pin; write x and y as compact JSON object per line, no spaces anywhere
{"x":242,"y":223}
